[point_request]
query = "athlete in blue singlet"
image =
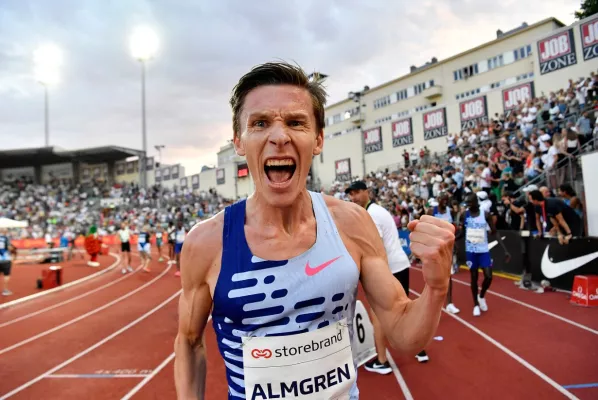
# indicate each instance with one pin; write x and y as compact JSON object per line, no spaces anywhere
{"x":179,"y":239}
{"x":5,"y":261}
{"x":144,"y":247}
{"x":475,"y":227}
{"x":443,"y":212}
{"x":279,"y":271}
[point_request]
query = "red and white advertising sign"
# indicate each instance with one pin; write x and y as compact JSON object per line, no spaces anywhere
{"x":372,"y":140}
{"x":435,"y":124}
{"x":557,"y":52}
{"x":402,"y":132}
{"x":515,"y":95}
{"x":473,"y":112}
{"x":589,"y":39}
{"x":342,"y":169}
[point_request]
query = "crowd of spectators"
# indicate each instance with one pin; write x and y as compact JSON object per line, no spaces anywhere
{"x":55,"y":208}
{"x":535,"y":146}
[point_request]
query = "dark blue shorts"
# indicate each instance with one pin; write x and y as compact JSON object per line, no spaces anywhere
{"x":177,"y":248}
{"x":478,"y":260}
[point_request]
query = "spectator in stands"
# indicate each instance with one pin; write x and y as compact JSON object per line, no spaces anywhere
{"x":566,"y":223}
{"x":569,"y":197}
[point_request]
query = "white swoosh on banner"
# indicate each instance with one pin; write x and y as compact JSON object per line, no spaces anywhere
{"x":492,"y":244}
{"x":552,"y":270}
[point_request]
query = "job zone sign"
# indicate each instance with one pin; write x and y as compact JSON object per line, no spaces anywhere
{"x":557,"y":52}
{"x":435,"y":124}
{"x":589,"y":39}
{"x":372,"y":140}
{"x":342,"y":169}
{"x":402,"y":132}
{"x":515,"y":95}
{"x":473,"y":112}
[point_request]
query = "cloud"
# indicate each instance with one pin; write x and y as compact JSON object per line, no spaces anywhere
{"x":205,"y":48}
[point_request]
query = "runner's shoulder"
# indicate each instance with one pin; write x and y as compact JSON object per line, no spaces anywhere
{"x":203,"y":244}
{"x":349,"y":217}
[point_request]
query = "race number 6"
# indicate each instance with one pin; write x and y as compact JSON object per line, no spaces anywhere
{"x":360,"y":329}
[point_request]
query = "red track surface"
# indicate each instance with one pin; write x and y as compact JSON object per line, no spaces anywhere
{"x":111,"y":343}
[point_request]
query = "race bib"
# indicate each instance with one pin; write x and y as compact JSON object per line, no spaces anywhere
{"x":2,"y":246}
{"x":475,"y":236}
{"x":180,"y":237}
{"x":142,"y":239}
{"x":311,"y":365}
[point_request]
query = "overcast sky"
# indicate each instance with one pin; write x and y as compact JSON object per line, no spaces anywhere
{"x":205,"y":48}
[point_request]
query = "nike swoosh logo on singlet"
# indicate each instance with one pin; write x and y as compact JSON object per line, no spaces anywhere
{"x":312,"y":271}
{"x":552,"y":270}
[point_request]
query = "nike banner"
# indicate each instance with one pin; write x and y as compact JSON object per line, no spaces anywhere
{"x":561,"y":263}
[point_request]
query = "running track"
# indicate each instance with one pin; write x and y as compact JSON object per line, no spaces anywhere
{"x":112,"y":338}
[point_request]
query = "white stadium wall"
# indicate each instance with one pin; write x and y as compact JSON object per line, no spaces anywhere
{"x":589,"y":165}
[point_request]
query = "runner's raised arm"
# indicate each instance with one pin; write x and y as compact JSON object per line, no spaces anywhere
{"x":408,"y":324}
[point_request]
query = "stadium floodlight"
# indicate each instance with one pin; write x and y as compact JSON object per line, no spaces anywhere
{"x":144,"y":46}
{"x":47,"y":60}
{"x":144,"y":43}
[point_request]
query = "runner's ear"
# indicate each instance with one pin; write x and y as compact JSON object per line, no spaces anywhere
{"x":239,"y":146}
{"x":319,"y":143}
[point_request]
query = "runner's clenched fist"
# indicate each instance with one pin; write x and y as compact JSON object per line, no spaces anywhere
{"x":432,"y":241}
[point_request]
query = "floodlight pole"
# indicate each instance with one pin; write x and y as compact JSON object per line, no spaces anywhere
{"x":46,"y":117}
{"x":143,"y":158}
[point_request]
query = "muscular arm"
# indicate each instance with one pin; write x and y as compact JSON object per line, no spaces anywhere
{"x":408,"y":324}
{"x":197,"y":262}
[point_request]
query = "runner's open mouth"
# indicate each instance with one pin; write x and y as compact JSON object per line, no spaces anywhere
{"x":280,"y":170}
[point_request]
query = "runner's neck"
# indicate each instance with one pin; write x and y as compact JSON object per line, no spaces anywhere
{"x":287,"y":220}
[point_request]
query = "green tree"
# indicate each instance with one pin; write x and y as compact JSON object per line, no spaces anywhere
{"x":588,"y":7}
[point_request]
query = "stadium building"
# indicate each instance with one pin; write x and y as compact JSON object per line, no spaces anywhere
{"x":420,"y":108}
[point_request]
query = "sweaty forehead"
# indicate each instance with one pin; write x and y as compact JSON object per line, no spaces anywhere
{"x":277,"y":99}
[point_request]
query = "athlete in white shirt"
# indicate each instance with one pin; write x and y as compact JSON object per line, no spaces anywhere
{"x":398,"y":263}
{"x":124,"y":235}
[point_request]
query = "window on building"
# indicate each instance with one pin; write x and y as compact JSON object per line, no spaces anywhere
{"x":336,"y":119}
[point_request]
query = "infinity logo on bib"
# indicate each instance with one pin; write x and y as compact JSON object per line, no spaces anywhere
{"x":311,"y":365}
{"x":257,"y":353}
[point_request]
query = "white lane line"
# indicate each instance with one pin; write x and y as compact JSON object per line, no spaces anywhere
{"x":81,"y":317}
{"x":90,"y":349}
{"x":540,"y":310}
{"x":65,"y":286}
{"x":400,"y":379}
{"x":510,"y":353}
{"x":151,"y":376}
{"x":43,"y":310}
{"x":94,"y":376}
{"x":148,"y":377}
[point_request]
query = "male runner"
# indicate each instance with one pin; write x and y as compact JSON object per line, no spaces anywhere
{"x":144,"y":247}
{"x":397,"y":261}
{"x":179,"y":239}
{"x":125,"y":247}
{"x":171,"y":233}
{"x":5,"y":261}
{"x":159,"y":237}
{"x":279,"y":271}
{"x":442,"y":211}
{"x":475,"y":227}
